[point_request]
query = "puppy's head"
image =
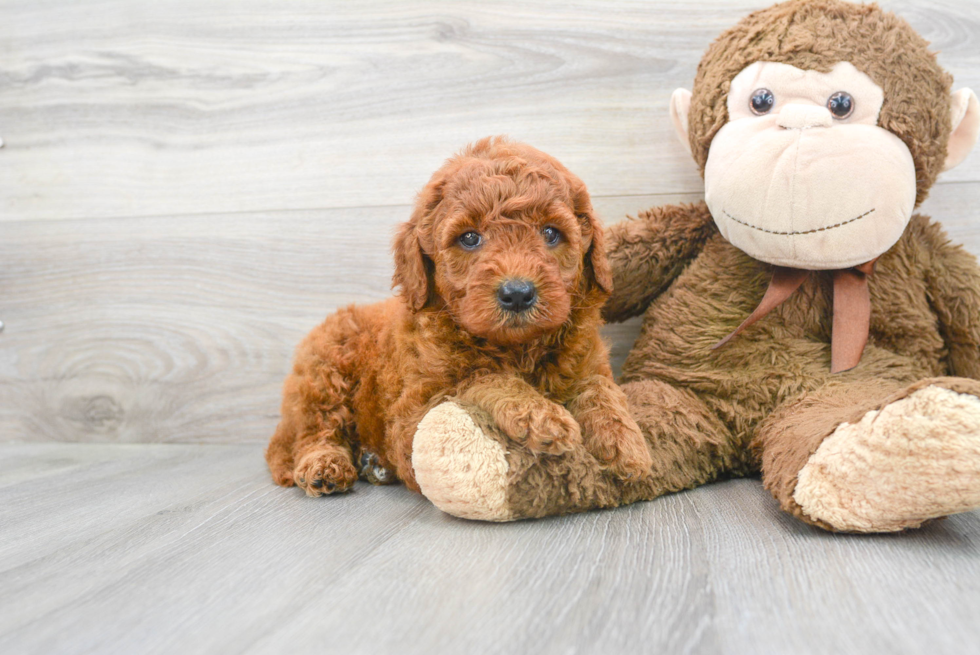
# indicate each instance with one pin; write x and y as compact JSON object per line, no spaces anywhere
{"x":504,"y":238}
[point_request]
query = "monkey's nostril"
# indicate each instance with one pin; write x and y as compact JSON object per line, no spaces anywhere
{"x":516,"y":295}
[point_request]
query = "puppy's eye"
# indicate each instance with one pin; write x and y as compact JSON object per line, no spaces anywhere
{"x":470,"y":240}
{"x":841,"y":105}
{"x":551,"y":235}
{"x":761,"y":101}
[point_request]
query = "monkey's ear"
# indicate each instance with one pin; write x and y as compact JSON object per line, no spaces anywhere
{"x":680,"y":105}
{"x":412,"y":267}
{"x":965,"y":112}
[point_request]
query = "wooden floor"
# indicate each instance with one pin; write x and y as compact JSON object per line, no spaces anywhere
{"x":186,"y":188}
{"x":185,"y":549}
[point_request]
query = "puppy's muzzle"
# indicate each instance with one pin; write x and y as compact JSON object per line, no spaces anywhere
{"x":516,"y":295}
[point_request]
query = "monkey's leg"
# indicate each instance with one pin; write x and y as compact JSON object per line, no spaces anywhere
{"x":875,"y":456}
{"x":468,"y":468}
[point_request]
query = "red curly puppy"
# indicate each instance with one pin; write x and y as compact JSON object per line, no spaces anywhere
{"x":502,"y":274}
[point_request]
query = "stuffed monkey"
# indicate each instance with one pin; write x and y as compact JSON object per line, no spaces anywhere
{"x":802,"y":322}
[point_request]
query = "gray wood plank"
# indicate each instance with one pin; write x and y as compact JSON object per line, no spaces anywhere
{"x":117,"y":108}
{"x":124,"y":330}
{"x":174,"y":548}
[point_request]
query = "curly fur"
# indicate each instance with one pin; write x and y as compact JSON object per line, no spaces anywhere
{"x":363,"y":380}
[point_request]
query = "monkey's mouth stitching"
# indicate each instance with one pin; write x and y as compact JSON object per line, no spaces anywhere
{"x":819,"y":229}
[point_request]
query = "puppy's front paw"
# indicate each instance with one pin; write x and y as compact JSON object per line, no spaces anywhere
{"x":325,"y":470}
{"x":552,"y":430}
{"x":618,"y":444}
{"x":544,"y":427}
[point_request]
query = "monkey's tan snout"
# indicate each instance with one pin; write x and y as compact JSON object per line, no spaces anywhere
{"x":802,"y":117}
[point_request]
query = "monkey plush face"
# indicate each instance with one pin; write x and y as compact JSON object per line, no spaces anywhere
{"x":819,"y":126}
{"x":801,"y":175}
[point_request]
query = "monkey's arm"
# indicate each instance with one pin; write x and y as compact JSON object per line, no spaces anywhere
{"x":646,"y":254}
{"x":953,"y":280}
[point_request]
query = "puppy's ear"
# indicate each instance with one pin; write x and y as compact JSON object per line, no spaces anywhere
{"x":596,"y":266}
{"x":412,"y":267}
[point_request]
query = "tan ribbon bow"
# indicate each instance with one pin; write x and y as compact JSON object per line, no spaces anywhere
{"x":852,"y":310}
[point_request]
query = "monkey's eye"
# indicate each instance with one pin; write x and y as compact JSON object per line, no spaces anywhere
{"x":761,"y":101}
{"x":841,"y":104}
{"x":470,"y":240}
{"x":551,"y":235}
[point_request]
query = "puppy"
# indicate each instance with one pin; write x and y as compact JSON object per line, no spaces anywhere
{"x":502,"y":274}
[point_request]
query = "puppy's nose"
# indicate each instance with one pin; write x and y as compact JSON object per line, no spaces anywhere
{"x":516,"y":295}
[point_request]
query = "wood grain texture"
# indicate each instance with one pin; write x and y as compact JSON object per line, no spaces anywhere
{"x":118,"y":109}
{"x":174,"y":328}
{"x":164,"y":549}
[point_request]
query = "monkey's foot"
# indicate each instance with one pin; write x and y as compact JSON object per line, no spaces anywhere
{"x":915,"y":459}
{"x":458,"y":467}
{"x":468,"y":467}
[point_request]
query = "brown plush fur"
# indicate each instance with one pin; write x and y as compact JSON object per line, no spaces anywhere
{"x":767,"y":400}
{"x":363,"y":379}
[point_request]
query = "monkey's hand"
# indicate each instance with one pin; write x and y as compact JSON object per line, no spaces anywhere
{"x":646,"y":254}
